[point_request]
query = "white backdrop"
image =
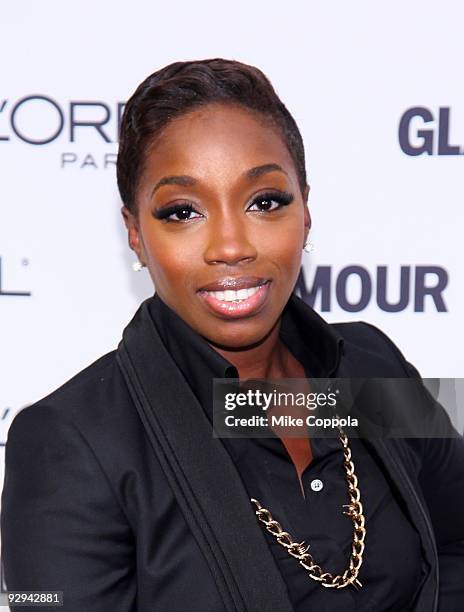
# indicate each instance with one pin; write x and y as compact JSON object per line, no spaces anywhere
{"x":348,"y":72}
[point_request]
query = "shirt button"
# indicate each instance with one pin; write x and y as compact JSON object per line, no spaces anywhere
{"x":316,"y":484}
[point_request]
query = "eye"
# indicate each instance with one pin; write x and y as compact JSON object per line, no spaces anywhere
{"x":268,"y":202}
{"x":178,"y":213}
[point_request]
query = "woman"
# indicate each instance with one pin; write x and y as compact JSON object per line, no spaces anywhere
{"x":116,"y":492}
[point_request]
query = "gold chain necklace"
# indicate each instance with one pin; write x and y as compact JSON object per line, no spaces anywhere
{"x":300,"y":551}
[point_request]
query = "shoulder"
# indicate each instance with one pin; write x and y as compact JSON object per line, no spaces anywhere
{"x":92,"y":400}
{"x":372,"y":352}
{"x":87,"y":430}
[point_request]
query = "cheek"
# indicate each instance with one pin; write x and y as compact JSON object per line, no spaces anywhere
{"x":171,"y":260}
{"x":286,"y":250}
{"x":283,"y":245}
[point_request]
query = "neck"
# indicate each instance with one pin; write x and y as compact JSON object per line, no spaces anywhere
{"x":267,"y":359}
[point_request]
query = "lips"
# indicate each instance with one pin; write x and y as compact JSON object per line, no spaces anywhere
{"x":242,"y":282}
{"x":236,"y":297}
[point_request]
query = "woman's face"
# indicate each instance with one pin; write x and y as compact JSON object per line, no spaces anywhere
{"x":221,"y":223}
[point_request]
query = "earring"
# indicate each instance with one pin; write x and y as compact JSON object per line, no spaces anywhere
{"x":308,"y":247}
{"x":137,"y":266}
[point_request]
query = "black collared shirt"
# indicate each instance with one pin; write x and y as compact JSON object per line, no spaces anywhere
{"x":392,"y":569}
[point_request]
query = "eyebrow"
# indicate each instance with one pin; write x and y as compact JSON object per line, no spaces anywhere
{"x":186,"y":181}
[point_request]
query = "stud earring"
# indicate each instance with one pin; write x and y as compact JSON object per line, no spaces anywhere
{"x":137,"y":266}
{"x":308,"y":247}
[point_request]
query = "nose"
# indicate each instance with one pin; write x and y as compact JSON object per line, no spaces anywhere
{"x":229,"y":242}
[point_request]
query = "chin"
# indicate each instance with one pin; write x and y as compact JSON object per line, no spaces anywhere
{"x":239,"y":338}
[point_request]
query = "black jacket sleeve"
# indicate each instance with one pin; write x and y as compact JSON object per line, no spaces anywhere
{"x":61,"y":526}
{"x":442,"y":483}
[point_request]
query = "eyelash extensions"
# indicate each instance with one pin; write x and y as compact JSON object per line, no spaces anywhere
{"x":283,"y":198}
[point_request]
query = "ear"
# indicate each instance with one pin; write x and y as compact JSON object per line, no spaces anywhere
{"x":307,"y":216}
{"x":133,"y":233}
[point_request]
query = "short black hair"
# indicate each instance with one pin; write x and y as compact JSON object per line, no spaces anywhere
{"x":181,"y":87}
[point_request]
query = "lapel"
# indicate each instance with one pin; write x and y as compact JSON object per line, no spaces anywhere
{"x":201,"y":473}
{"x":390,"y":452}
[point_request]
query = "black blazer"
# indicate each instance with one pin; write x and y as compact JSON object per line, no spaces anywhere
{"x":90,"y":508}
